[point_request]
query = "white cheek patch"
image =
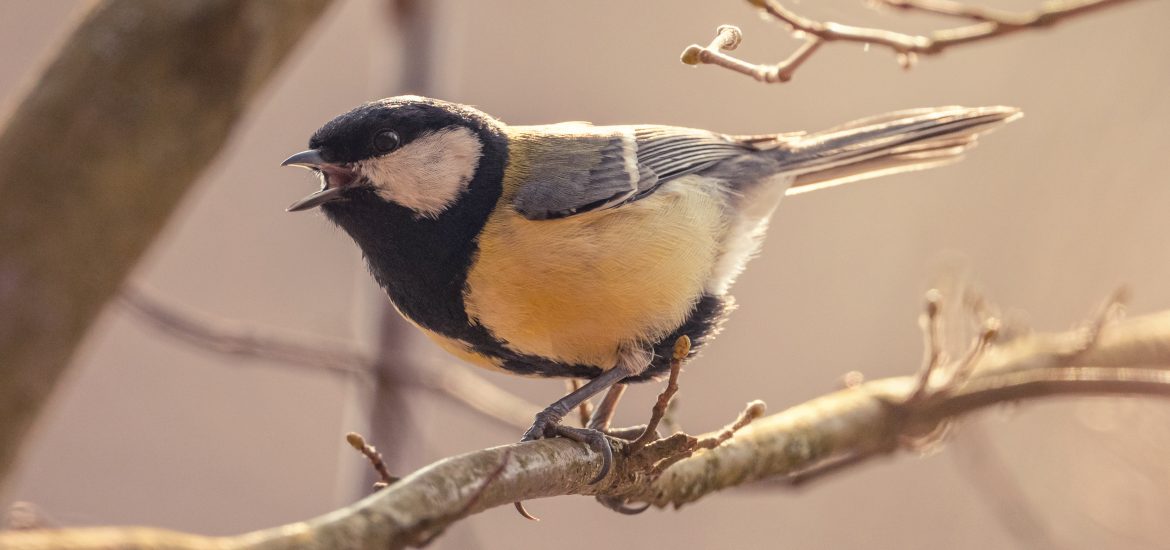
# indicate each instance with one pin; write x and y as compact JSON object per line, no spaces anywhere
{"x":428,"y":174}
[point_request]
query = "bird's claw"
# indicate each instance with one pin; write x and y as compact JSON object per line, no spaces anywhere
{"x":620,"y":506}
{"x":596,"y":441}
{"x":545,"y":425}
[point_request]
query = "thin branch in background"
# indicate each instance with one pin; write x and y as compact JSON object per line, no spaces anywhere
{"x":234,"y":338}
{"x":24,"y":516}
{"x":371,"y":453}
{"x":229,"y":337}
{"x":988,"y":24}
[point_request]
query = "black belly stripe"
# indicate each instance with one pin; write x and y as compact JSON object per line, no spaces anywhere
{"x":701,"y":325}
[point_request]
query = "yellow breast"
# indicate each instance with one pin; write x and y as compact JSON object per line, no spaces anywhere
{"x":577,"y":288}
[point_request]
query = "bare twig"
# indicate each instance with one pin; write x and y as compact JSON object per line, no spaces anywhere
{"x":988,"y":24}
{"x":228,"y":337}
{"x":962,"y":371}
{"x":371,"y":453}
{"x":753,"y":411}
{"x":682,"y":347}
{"x":728,"y":37}
{"x":932,"y":344}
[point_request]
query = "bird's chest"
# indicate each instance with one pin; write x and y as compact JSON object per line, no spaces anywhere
{"x":575,"y":289}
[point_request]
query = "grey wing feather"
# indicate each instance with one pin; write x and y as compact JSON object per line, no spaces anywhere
{"x":591,"y":169}
{"x":574,"y":172}
{"x":672,"y":152}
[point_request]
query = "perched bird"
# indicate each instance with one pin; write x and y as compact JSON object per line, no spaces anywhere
{"x":583,"y":251}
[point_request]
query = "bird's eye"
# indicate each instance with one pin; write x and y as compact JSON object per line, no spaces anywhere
{"x":386,"y":141}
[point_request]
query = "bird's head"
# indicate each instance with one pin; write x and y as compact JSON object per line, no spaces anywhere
{"x":417,"y":153}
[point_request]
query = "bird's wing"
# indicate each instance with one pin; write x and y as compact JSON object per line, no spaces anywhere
{"x":566,"y":169}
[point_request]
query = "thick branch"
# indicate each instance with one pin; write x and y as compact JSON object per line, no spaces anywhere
{"x":988,"y":24}
{"x":132,"y":108}
{"x":865,"y":420}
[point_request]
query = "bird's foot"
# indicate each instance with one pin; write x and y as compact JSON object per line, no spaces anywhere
{"x":643,"y":450}
{"x":548,"y":424}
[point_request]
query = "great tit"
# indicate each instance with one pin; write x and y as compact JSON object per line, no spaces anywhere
{"x":582,"y":251}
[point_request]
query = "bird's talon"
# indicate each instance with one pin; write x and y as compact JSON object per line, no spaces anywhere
{"x":619,"y":505}
{"x":544,"y":426}
{"x":596,"y":441}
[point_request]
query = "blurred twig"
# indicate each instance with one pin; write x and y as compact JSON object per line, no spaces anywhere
{"x":408,"y":36}
{"x":988,"y":24}
{"x":97,"y":152}
{"x":846,"y":427}
{"x":22,"y":516}
{"x":453,"y":382}
{"x":230,"y":337}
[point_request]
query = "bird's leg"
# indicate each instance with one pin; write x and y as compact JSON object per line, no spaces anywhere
{"x":603,"y":414}
{"x":630,"y":362}
{"x":548,"y":419}
{"x":585,"y":409}
{"x":547,"y":423}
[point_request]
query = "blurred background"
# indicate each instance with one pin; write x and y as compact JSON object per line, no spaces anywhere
{"x":1047,"y":216}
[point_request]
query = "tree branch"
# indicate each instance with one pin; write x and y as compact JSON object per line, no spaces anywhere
{"x":98,"y":152}
{"x":988,"y":24}
{"x":846,"y":427}
{"x":229,"y":337}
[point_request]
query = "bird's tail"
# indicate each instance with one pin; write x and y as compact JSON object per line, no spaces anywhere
{"x":887,"y":144}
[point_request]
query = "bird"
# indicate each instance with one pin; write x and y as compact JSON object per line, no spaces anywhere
{"x":577,"y":250}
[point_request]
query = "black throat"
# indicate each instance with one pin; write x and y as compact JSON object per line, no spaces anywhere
{"x":422,"y":263}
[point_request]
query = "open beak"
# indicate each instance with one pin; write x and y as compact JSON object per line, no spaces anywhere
{"x":336,"y":178}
